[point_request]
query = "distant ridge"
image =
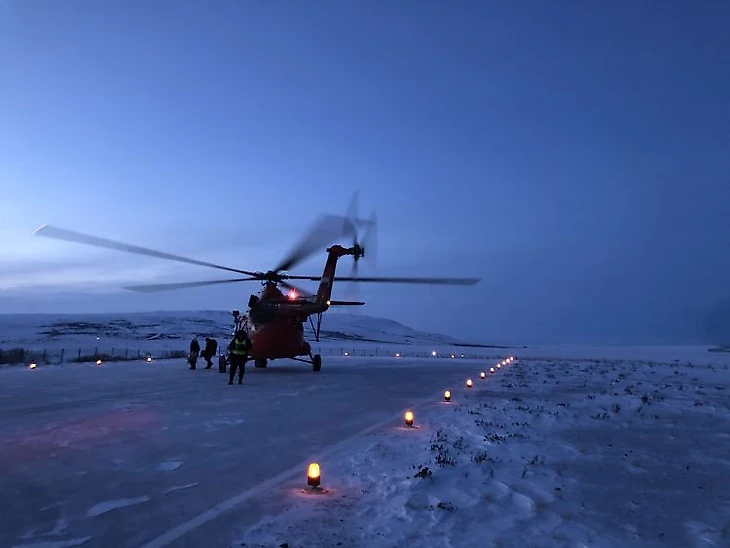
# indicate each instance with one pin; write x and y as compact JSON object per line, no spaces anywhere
{"x":32,"y":329}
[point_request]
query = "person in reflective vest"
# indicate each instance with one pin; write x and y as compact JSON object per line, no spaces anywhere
{"x":238,"y":350}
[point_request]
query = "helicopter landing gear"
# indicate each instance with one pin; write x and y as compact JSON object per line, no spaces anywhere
{"x":260,"y":363}
{"x":315,"y":360}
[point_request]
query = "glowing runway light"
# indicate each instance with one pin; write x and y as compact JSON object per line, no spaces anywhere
{"x":499,"y":366}
{"x":313,"y":475}
{"x":482,"y":375}
{"x":33,"y":365}
{"x":409,"y":418}
{"x":468,"y":383}
{"x":447,"y":396}
{"x":433,"y":353}
{"x":149,"y":359}
{"x":397,"y":354}
{"x":347,"y":353}
{"x":491,"y":369}
{"x":98,"y":362}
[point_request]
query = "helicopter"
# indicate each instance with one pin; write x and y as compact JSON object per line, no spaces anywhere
{"x":275,"y":318}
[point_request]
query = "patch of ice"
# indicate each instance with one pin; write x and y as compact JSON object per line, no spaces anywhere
{"x":53,"y":505}
{"x":56,"y":544}
{"x":58,"y":529}
{"x":109,"y":505}
{"x":181,"y":487}
{"x":170,"y":465}
{"x":222,"y":422}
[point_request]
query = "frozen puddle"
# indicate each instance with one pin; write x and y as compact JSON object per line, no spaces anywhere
{"x":109,"y":505}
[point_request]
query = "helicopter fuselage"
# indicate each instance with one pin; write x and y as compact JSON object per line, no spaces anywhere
{"x":277,"y":323}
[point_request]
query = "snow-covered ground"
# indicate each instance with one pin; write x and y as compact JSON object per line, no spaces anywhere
{"x":567,"y":446}
{"x":540,"y":453}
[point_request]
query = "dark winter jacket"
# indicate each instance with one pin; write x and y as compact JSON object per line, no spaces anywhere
{"x":211,"y":347}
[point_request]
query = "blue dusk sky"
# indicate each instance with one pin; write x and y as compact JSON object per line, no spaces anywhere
{"x":573,"y":155}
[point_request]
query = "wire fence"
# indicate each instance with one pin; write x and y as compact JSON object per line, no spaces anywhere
{"x":15,"y":356}
{"x":18,"y":356}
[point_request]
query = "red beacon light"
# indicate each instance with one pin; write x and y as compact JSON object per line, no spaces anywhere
{"x":292,"y":294}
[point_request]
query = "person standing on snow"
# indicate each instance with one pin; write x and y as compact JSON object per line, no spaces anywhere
{"x":194,"y":352}
{"x":211,"y":347}
{"x":238,"y":350}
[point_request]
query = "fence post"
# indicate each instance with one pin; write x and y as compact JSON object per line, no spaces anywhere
{"x":79,"y":358}
{"x":96,"y":353}
{"x":63,"y":351}
{"x":45,"y":356}
{"x":112,"y":354}
{"x":126,"y":353}
{"x":138,"y":354}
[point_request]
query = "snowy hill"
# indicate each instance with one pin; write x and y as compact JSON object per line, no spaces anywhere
{"x":69,"y":336}
{"x":35,"y":328}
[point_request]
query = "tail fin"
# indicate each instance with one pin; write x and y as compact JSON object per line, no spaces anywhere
{"x":324,"y":291}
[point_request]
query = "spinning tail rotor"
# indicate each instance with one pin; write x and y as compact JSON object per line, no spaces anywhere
{"x":364,"y":247}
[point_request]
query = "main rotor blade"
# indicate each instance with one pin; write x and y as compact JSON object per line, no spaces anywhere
{"x":431,"y":281}
{"x":437,"y":281}
{"x":323,"y":232}
{"x":183,"y":285}
{"x":49,"y":231}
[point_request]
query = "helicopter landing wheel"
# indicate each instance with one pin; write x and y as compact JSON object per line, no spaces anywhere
{"x":316,"y":362}
{"x":260,"y":363}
